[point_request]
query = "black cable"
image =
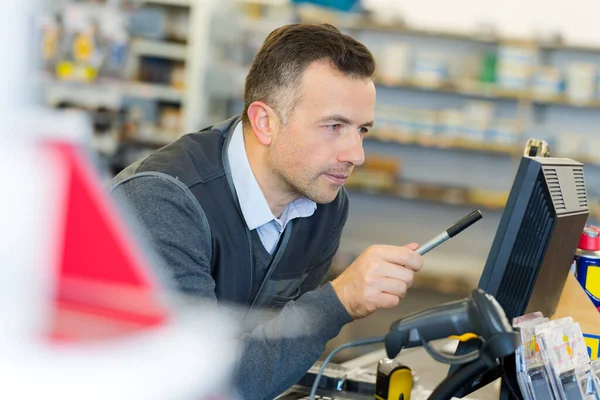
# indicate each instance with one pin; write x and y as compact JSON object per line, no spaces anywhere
{"x":355,"y":343}
{"x":461,"y":377}
{"x":513,"y":392}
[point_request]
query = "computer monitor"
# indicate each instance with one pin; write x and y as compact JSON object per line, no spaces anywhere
{"x":535,"y":243}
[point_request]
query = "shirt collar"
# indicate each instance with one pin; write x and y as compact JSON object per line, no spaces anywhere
{"x":255,"y":209}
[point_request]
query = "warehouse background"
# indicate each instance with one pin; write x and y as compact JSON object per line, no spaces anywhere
{"x":461,"y":87}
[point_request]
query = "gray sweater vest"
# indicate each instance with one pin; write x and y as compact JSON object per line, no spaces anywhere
{"x":199,"y":160}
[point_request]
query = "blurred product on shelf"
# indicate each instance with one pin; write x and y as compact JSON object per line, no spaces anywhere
{"x":170,"y":120}
{"x":581,"y":82}
{"x":451,"y":123}
{"x":162,"y":71}
{"x":569,"y":144}
{"x":394,"y":63}
{"x":505,"y":132}
{"x":160,"y":23}
{"x":488,"y":68}
{"x":84,"y":41}
{"x":382,"y":175}
{"x":473,"y":125}
{"x":581,"y":146}
{"x":149,"y":22}
{"x":50,"y":29}
{"x":423,"y":124}
{"x":453,"y":195}
{"x":547,"y":83}
{"x":377,"y":173}
{"x":177,"y":78}
{"x":478,"y":116}
{"x":433,"y":192}
{"x":431,"y":69}
{"x":488,"y":198}
{"x":515,"y":67}
{"x":127,"y":59}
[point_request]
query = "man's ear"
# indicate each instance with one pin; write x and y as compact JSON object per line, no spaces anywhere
{"x":264,"y":122}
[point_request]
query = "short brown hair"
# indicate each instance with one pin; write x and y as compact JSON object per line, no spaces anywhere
{"x":289,"y":50}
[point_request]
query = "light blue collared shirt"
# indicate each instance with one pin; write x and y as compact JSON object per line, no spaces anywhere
{"x":255,"y":208}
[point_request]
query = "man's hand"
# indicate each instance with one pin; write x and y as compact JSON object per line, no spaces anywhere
{"x":378,"y":278}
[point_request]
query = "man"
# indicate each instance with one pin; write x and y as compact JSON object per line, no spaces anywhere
{"x":250,"y":212}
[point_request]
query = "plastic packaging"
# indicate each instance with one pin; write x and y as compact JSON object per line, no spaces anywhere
{"x":567,"y":361}
{"x":525,"y":324}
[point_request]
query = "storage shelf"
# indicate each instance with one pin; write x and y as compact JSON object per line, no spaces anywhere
{"x":402,"y":28}
{"x":562,"y":100}
{"x":179,"y":3}
{"x":156,"y":48}
{"x":401,"y":139}
{"x":108,"y":93}
{"x":478,"y":199}
{"x":486,"y":91}
{"x":399,"y":27}
{"x":578,"y":48}
{"x":474,"y":89}
{"x":154,"y":91}
{"x":430,"y":142}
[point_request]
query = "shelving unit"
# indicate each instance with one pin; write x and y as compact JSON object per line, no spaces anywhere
{"x":187,"y":94}
{"x":490,"y":202}
{"x":107,"y":92}
{"x":528,"y":100}
{"x":160,"y":49}
{"x":308,"y":15}
{"x":432,"y":142}
{"x":487,"y":91}
{"x":195,"y":99}
{"x":404,"y":139}
{"x":178,"y":3}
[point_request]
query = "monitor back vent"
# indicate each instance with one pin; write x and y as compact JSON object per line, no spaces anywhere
{"x":580,"y":187}
{"x":554,"y":187}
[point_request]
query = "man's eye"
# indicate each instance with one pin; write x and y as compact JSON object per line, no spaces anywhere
{"x":334,"y":127}
{"x":363,"y":131}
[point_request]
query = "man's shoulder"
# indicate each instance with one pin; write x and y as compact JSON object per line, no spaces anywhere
{"x":193,"y":158}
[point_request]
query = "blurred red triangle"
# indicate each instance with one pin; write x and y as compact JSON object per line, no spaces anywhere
{"x":104,"y":287}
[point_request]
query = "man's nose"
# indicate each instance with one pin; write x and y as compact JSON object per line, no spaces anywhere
{"x":353,"y":151}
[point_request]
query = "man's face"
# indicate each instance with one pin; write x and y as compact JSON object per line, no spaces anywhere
{"x":321,"y":143}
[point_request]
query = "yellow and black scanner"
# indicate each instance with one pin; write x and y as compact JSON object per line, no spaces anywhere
{"x":394,"y":380}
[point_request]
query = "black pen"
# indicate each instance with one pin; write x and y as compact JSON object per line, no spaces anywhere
{"x":450,"y":232}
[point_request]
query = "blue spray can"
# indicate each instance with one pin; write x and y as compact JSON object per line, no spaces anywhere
{"x":587,"y":263}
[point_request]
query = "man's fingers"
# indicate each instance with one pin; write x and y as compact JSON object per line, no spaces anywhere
{"x":388,"y":300}
{"x":395,"y":287}
{"x":400,"y":256}
{"x":397,"y":272}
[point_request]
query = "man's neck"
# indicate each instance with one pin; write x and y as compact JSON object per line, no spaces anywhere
{"x":277,"y":197}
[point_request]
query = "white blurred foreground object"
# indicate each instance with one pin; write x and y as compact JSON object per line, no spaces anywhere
{"x":83,"y":314}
